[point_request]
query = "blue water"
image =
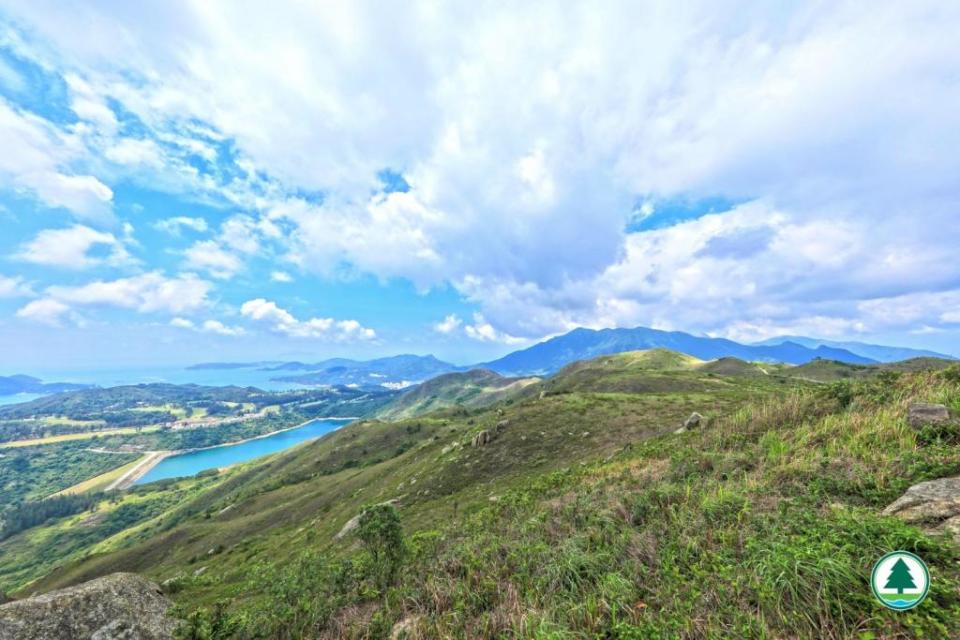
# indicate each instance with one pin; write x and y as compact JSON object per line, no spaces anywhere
{"x":188,"y":464}
{"x":19,"y":397}
{"x":248,"y":377}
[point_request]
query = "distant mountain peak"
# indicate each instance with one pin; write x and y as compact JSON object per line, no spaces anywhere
{"x":581,"y":343}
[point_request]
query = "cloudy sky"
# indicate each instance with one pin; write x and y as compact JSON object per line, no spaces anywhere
{"x":184,"y":181}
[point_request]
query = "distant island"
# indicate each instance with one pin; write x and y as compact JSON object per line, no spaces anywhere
{"x":11,"y":385}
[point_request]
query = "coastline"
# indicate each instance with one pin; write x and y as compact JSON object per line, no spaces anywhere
{"x":148,"y":462}
{"x":263,"y":435}
{"x":153,"y":458}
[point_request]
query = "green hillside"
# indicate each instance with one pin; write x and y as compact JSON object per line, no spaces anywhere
{"x":832,"y":371}
{"x":472,"y":389}
{"x":584,"y":515}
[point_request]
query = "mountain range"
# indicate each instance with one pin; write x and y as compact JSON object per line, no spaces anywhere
{"x":876,"y":352}
{"x":551,"y":355}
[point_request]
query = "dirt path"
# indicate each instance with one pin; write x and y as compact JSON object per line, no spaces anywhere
{"x":149,"y":461}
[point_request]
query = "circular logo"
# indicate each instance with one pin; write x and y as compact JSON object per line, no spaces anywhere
{"x":900,"y":580}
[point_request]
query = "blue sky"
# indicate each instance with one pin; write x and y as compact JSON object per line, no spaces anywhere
{"x":195,"y":181}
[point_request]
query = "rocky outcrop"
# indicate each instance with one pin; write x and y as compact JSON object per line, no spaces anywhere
{"x":121,"y":606}
{"x":482,"y":439}
{"x":923,"y":413}
{"x":694,"y":421}
{"x":934,"y":505}
{"x":354,"y":522}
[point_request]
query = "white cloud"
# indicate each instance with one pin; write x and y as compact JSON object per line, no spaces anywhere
{"x":88,"y":104}
{"x":209,"y":256}
{"x":135,"y":153}
{"x":175,"y":224}
{"x":215,"y":326}
{"x":485,"y":332}
{"x":45,"y":311}
{"x":146,"y":293}
{"x":70,"y":248}
{"x":448,"y":325}
{"x":281,"y":276}
{"x":240,"y":233}
{"x":240,"y":237}
{"x":35,"y":159}
{"x":14,"y":287}
{"x":208,"y":326}
{"x":527,"y":152}
{"x":282,"y":321}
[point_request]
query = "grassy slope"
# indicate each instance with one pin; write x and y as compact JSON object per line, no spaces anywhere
{"x":762,"y":525}
{"x":425,"y":460}
{"x":471,"y":389}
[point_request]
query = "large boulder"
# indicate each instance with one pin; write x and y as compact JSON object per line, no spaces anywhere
{"x":482,"y":439}
{"x":121,"y":606}
{"x":353,"y":523}
{"x":694,"y":421}
{"x":934,"y":505}
{"x":924,"y":413}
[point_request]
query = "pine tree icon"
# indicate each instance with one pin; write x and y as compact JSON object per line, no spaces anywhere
{"x":900,"y":577}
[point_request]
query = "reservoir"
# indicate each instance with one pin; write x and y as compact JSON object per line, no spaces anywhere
{"x":193,"y":462}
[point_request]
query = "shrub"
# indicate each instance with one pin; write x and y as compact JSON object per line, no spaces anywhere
{"x":382,"y":536}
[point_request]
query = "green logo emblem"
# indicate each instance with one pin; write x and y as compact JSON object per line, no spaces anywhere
{"x":900,"y":580}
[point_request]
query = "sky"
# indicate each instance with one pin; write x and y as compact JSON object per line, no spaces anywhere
{"x":187,"y":181}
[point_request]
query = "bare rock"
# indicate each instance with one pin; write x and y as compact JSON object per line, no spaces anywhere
{"x":170,"y":582}
{"x":482,"y":439}
{"x":924,"y":413}
{"x":120,"y":606}
{"x":503,"y":424}
{"x":348,"y":528}
{"x":354,"y":522}
{"x":934,"y":505}
{"x":694,"y":421}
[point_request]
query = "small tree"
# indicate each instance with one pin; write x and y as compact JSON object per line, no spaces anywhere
{"x":900,"y":577}
{"x":380,"y":531}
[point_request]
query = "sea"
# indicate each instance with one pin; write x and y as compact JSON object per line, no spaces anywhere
{"x":246,"y":377}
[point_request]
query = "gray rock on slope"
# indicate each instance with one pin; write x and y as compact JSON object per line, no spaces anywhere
{"x":934,"y":505}
{"x":351,"y":525}
{"x":694,"y":421}
{"x":482,"y":439}
{"x":924,"y":413}
{"x":120,"y":606}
